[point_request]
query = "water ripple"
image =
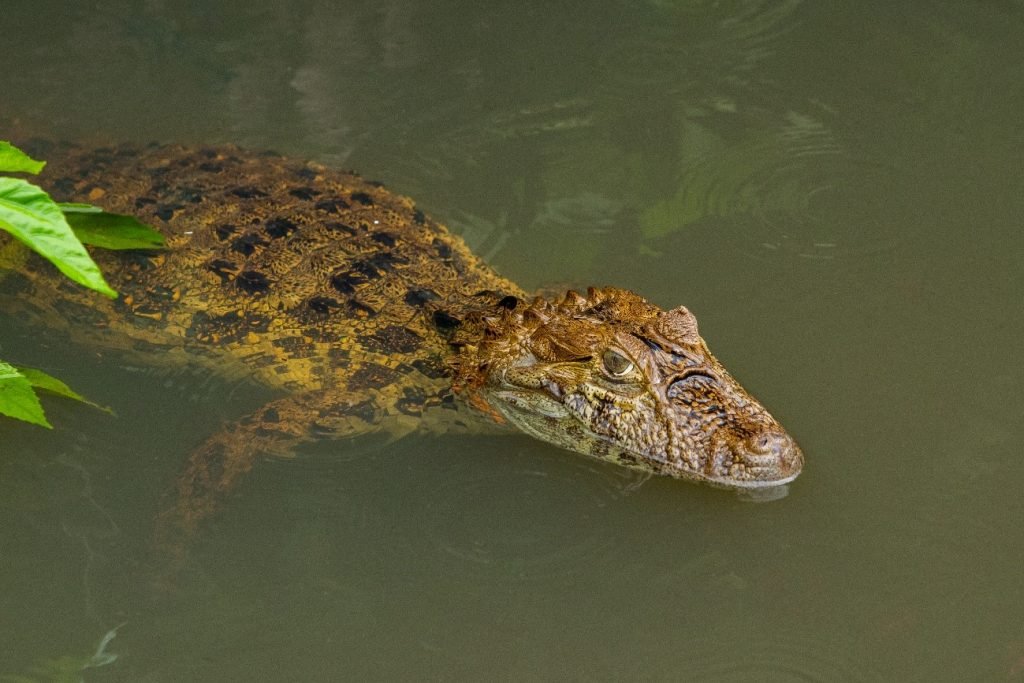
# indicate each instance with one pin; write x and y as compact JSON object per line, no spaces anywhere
{"x":781,"y":659}
{"x":523,"y":520}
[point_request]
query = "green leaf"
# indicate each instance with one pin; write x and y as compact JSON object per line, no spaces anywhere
{"x":93,"y":225}
{"x":72,"y":207}
{"x":28,"y":213}
{"x":13,"y":160}
{"x":17,"y":399}
{"x":41,"y":380}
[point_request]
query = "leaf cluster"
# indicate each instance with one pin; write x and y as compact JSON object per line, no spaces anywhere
{"x":58,"y":232}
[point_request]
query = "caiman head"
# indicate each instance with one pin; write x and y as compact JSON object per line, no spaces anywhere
{"x":612,"y":376}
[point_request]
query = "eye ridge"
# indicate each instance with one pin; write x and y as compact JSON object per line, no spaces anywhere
{"x":690,"y":378}
{"x":616,"y":364}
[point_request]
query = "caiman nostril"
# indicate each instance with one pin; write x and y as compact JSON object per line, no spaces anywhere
{"x":769,"y":443}
{"x":775,"y":450}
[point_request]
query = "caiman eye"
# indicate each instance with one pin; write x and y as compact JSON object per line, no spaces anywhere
{"x":616,"y":364}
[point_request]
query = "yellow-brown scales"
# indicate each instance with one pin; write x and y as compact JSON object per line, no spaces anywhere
{"x":368,"y":314}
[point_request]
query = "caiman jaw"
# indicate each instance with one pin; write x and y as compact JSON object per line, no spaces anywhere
{"x":614,"y":377}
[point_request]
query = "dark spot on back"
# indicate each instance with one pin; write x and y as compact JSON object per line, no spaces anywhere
{"x":372,"y":376}
{"x":295,"y":346}
{"x":419,"y":217}
{"x":144,"y":201}
{"x":305,"y":173}
{"x":252,"y":282}
{"x":211,"y":167}
{"x":364,"y":410}
{"x":338,"y":353}
{"x":346,"y":282}
{"x":419,"y":297}
{"x":166,"y":212}
{"x":358,"y":308}
{"x":341,"y":227}
{"x":65,"y":186}
{"x":393,"y":339}
{"x":367,"y":269}
{"x":443,"y":250}
{"x":508,"y":302}
{"x":248,"y":192}
{"x":323,"y":304}
{"x":227,"y":327}
{"x":279,"y":227}
{"x":224,"y":230}
{"x":190,"y":195}
{"x":385,"y":238}
{"x":336,"y":205}
{"x":386,"y":260}
{"x":431,"y":368}
{"x":445,"y":321}
{"x":304,"y":193}
{"x":413,"y":401}
{"x":246,"y":244}
{"x":362,"y":198}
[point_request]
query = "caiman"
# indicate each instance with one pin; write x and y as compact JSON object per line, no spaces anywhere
{"x":366,"y":314}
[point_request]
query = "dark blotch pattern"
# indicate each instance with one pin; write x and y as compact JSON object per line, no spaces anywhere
{"x":247,"y":244}
{"x":445,"y":321}
{"x":248,"y":192}
{"x":346,"y":283}
{"x":335,"y":205}
{"x":323,"y":304}
{"x":443,"y":250}
{"x":433,"y":367}
{"x":413,"y":401}
{"x":303,"y":193}
{"x":224,"y":231}
{"x":419,"y":297}
{"x":372,"y":376}
{"x":231,"y":326}
{"x":385,"y":238}
{"x":341,"y":227}
{"x":360,"y":309}
{"x":279,"y":227}
{"x":252,"y":282}
{"x":166,"y":212}
{"x":393,"y":339}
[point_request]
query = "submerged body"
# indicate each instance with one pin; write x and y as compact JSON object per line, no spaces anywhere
{"x":367,"y":314}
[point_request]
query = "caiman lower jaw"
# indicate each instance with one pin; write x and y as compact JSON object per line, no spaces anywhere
{"x":728,"y":483}
{"x":530,"y":401}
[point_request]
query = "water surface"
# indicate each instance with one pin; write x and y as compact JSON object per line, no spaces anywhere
{"x":835,"y":189}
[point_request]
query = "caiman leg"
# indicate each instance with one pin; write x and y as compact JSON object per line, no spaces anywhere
{"x":215,"y":468}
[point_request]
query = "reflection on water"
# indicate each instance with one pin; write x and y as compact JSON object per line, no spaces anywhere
{"x":834,"y":188}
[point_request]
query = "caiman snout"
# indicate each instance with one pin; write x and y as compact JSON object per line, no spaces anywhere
{"x":773,"y":456}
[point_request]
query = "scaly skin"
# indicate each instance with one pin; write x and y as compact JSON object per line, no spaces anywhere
{"x":614,"y":377}
{"x":366,"y":314}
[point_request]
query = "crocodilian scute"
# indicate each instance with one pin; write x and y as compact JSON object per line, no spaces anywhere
{"x":613,"y":376}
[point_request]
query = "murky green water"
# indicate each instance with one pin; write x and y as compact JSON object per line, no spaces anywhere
{"x":836,"y":189}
